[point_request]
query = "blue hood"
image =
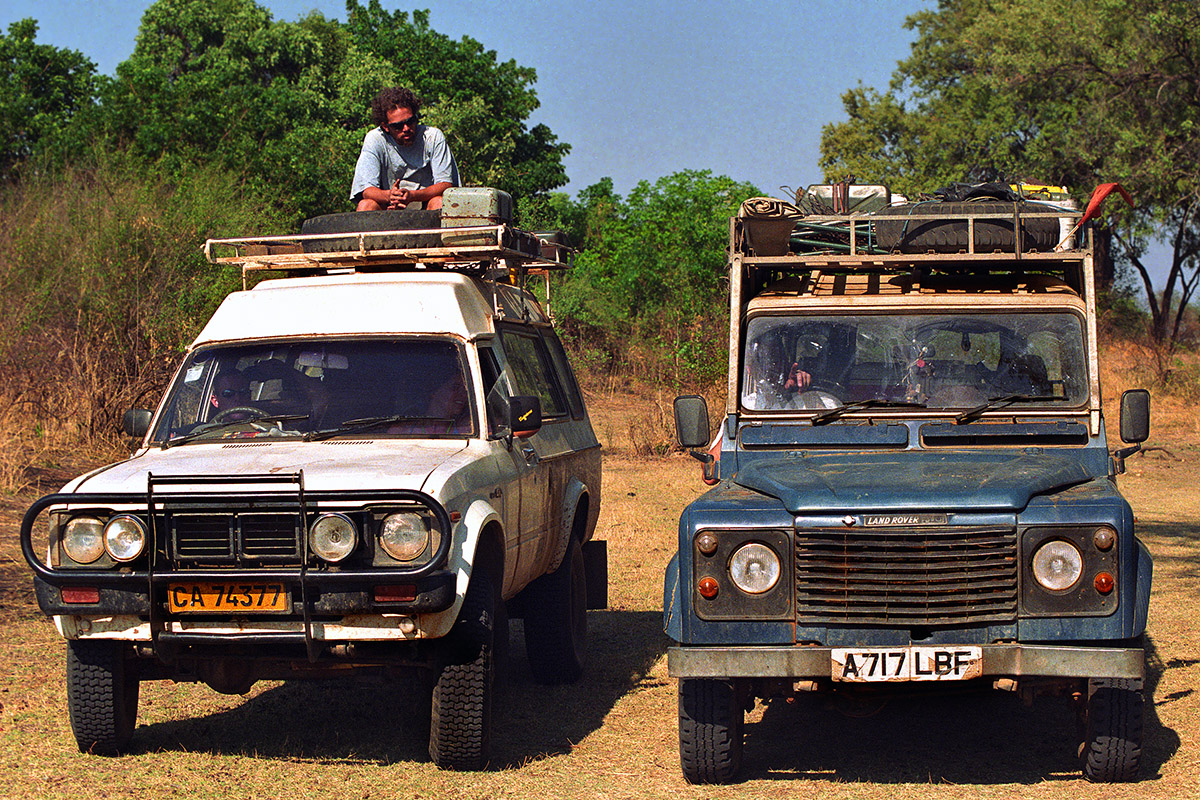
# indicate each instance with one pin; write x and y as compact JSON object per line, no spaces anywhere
{"x":911,"y":480}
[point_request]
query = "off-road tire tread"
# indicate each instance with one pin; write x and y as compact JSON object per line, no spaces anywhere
{"x":556,"y":621}
{"x":102,"y":696}
{"x":461,"y":707}
{"x":400,"y":219}
{"x":1112,"y":748}
{"x":918,"y":228}
{"x":710,"y":730}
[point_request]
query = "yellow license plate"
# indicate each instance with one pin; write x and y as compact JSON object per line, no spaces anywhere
{"x":228,"y":598}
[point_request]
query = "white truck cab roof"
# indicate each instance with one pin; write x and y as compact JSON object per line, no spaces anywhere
{"x":433,"y":302}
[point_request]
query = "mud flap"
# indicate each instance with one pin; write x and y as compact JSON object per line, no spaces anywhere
{"x":595,"y":566}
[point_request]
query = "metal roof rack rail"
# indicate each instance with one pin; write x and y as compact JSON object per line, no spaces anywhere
{"x":485,"y":249}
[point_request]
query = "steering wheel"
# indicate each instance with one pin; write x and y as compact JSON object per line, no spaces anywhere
{"x":817,"y":399}
{"x":248,"y":414}
{"x":823,"y":384}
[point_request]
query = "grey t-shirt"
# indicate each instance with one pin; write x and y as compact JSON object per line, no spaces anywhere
{"x":382,"y":162}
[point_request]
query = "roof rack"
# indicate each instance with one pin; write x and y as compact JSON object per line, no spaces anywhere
{"x":770,"y":247}
{"x":849,"y":240}
{"x":476,"y":248}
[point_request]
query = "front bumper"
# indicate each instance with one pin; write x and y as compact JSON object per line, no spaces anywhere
{"x":999,"y":660}
{"x":330,"y":594}
{"x":327,"y":603}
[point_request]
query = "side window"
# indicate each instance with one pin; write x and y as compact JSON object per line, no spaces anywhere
{"x":532,"y":373}
{"x":493,"y":390}
{"x":566,"y":377}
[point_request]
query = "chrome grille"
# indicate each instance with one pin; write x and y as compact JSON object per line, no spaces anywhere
{"x":216,"y":538}
{"x":933,"y":576}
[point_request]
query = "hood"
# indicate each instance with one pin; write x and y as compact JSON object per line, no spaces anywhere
{"x":910,"y":480}
{"x":330,"y":465}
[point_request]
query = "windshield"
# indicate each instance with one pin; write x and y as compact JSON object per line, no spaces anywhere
{"x":320,"y":388}
{"x":938,"y":361}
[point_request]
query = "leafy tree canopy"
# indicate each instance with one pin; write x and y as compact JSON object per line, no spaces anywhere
{"x":285,"y":104}
{"x":653,"y":266}
{"x":42,"y":89}
{"x":482,"y":103}
{"x":1076,"y":92}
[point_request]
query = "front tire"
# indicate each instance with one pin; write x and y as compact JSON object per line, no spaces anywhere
{"x":102,"y":695}
{"x":710,"y":730}
{"x":556,"y":621}
{"x":461,"y":709}
{"x":1112,"y":745}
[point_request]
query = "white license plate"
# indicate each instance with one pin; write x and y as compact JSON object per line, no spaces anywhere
{"x":909,"y":663}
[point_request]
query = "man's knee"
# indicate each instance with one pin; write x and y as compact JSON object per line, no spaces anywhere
{"x":368,"y":205}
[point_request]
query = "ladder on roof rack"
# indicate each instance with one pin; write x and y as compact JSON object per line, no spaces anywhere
{"x":481,"y":248}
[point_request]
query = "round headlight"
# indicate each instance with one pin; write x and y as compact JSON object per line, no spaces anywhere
{"x":754,"y":568}
{"x":332,"y":537}
{"x":404,"y":536}
{"x":1057,"y":565}
{"x":84,"y":539}
{"x":124,"y":537}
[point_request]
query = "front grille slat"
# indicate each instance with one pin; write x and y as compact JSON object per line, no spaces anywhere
{"x":270,"y":535}
{"x":906,"y":577}
{"x":202,"y":538}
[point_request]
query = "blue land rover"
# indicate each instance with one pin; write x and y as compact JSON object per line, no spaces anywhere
{"x":911,"y":484}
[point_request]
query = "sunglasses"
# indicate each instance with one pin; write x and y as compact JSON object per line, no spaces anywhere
{"x":397,"y":127}
{"x":234,"y":393}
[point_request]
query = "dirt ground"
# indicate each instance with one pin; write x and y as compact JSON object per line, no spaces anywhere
{"x":614,"y":734}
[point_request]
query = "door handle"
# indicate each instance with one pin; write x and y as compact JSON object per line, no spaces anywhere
{"x":529,"y":453}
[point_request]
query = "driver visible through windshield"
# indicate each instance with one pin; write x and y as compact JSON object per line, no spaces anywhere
{"x":936,"y":361}
{"x":318,"y":389}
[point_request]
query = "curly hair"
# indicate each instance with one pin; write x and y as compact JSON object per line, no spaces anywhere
{"x":393,"y":97}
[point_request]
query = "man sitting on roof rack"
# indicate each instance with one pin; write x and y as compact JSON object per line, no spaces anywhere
{"x":403,"y":164}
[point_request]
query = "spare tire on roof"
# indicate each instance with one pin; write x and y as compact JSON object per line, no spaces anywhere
{"x":923,"y":228}
{"x":402,"y":219}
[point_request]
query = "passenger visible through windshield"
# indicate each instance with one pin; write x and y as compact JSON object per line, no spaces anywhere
{"x":936,"y":361}
{"x":319,"y":389}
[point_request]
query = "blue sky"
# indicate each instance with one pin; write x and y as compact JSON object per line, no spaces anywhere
{"x":639,"y":88}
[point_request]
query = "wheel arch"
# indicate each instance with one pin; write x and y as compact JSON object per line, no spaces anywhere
{"x":478,"y":535}
{"x":574,"y":523}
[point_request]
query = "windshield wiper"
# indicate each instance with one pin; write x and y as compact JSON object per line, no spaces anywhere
{"x":363,"y":424}
{"x":835,"y":413}
{"x":213,"y":427}
{"x":996,"y":403}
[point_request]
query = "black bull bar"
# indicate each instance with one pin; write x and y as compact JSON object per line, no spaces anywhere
{"x":303,"y":577}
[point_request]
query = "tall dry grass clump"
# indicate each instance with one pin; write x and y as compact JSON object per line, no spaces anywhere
{"x":102,"y":283}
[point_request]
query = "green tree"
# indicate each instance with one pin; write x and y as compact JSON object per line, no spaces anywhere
{"x":42,"y":90}
{"x":481,"y":102}
{"x":1076,"y":92}
{"x":278,"y":104}
{"x":284,"y":105}
{"x":653,"y":267}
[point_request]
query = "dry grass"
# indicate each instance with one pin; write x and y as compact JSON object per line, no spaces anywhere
{"x":614,"y":734}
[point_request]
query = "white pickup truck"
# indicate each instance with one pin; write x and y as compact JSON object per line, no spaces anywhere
{"x":363,"y":465}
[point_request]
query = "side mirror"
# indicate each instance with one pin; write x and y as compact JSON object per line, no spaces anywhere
{"x":524,"y":415}
{"x":1135,"y":416}
{"x":135,"y":422}
{"x":691,"y":421}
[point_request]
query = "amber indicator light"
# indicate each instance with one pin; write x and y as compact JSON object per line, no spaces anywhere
{"x":1105,"y":583}
{"x":708,"y":587}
